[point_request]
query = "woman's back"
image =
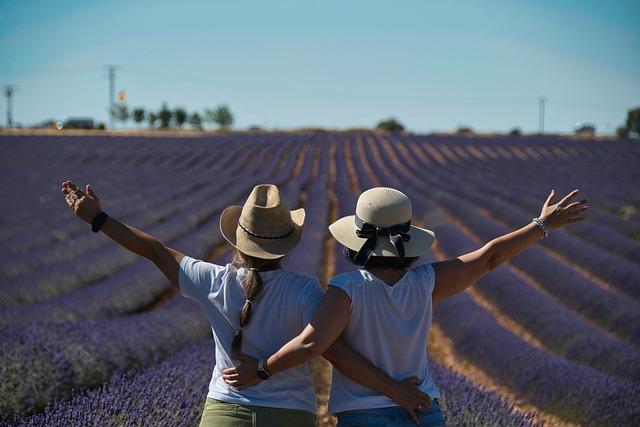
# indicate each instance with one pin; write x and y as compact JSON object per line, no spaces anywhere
{"x":389,"y":326}
{"x":284,"y":306}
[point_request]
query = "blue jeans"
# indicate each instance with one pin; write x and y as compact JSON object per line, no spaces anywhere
{"x":394,"y":416}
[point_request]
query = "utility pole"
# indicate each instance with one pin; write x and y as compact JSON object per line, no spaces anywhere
{"x":111,"y":69}
{"x":541,"y":104}
{"x":8,"y":92}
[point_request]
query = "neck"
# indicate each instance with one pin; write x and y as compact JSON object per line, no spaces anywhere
{"x":388,"y":275}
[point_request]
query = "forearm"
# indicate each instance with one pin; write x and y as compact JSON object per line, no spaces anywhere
{"x":503,"y":248}
{"x":359,"y":369}
{"x":131,"y":238}
{"x":293,"y":353}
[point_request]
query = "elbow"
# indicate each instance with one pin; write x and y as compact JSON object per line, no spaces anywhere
{"x":312,"y":348}
{"x":333,"y":355}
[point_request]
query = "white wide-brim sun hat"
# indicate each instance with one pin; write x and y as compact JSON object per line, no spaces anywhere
{"x":382,"y":207}
{"x":263,"y":227}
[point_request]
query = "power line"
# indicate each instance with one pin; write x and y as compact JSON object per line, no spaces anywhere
{"x":49,"y":71}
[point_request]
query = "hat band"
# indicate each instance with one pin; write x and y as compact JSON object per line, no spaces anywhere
{"x":397,"y":234}
{"x":261,"y":236}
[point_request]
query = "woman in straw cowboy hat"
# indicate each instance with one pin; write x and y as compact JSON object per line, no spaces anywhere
{"x":384,"y":310}
{"x":253,"y":305}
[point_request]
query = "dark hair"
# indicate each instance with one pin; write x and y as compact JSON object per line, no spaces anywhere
{"x":380,"y":261}
{"x":252,"y":285}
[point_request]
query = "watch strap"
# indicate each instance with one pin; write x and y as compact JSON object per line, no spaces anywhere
{"x":98,"y":221}
{"x":263,"y":373}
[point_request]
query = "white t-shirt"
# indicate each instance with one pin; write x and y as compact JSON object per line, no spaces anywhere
{"x":389,"y":326}
{"x":283,"y":308}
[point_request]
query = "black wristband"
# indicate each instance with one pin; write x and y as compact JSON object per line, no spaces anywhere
{"x":98,"y":221}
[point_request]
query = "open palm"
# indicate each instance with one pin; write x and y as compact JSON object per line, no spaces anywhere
{"x":564,"y":212}
{"x":85,"y":205}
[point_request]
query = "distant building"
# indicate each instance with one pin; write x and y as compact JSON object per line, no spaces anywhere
{"x":78,"y":123}
{"x":586,"y":129}
{"x":46,"y":124}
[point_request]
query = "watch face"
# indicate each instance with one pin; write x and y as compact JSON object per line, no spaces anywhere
{"x":263,"y":375}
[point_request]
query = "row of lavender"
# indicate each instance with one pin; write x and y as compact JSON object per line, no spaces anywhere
{"x":168,"y":394}
{"x":560,"y":331}
{"x":110,"y":406}
{"x":193,"y":214}
{"x":380,"y":170}
{"x":44,"y":361}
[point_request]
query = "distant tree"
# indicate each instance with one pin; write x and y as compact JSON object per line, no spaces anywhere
{"x":195,"y":120}
{"x":152,"y":118}
{"x":633,"y":122}
{"x":255,"y":128}
{"x":138,"y":115}
{"x":122,"y":113}
{"x":515,"y":132}
{"x":221,"y":115}
{"x":390,"y":125}
{"x":165,"y":116}
{"x":101,"y":126}
{"x":631,"y":127}
{"x":464,"y":130}
{"x":180,"y":115}
{"x":622,"y":132}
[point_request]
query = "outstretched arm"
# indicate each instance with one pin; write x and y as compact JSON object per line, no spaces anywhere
{"x":87,"y":205}
{"x":456,"y":274}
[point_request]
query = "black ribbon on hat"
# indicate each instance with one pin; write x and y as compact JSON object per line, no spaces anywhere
{"x":397,"y":234}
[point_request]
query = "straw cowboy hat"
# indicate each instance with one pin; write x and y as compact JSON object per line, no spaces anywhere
{"x":382,"y":227}
{"x":264,"y":227}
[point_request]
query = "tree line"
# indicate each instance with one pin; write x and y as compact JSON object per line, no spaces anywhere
{"x":166,"y":118}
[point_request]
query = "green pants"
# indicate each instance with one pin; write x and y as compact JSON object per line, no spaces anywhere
{"x":222,"y":414}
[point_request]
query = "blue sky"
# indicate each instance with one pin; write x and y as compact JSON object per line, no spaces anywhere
{"x":433,"y":65}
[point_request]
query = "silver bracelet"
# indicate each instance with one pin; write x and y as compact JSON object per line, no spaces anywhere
{"x":542,"y":226}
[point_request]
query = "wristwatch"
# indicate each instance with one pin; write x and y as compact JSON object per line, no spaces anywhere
{"x":263,"y":374}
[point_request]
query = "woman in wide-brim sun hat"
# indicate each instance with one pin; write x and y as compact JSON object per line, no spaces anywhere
{"x":383,"y":309}
{"x":254,"y":306}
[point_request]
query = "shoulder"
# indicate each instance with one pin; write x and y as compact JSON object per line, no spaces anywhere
{"x":188,"y":262}
{"x":348,"y":281}
{"x":300,"y":278}
{"x":425,"y":274}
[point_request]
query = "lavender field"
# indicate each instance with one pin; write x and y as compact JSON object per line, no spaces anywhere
{"x":92,"y":335}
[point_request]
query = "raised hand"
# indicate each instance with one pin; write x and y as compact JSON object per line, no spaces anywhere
{"x":85,"y":205}
{"x":243,"y":375}
{"x":408,"y":395}
{"x":564,"y":212}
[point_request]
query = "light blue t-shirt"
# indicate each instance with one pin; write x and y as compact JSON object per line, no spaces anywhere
{"x":389,"y":326}
{"x":284,"y":307}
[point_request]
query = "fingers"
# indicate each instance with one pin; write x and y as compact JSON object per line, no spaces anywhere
{"x":231,"y":377}
{"x":568,"y":197}
{"x":235,"y":384}
{"x":235,"y":387}
{"x":412,"y":380}
{"x":582,"y":204}
{"x":230,"y":371}
{"x":425,"y":402}
{"x":413,"y":416}
{"x":552,"y":196}
{"x":90,"y":192}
